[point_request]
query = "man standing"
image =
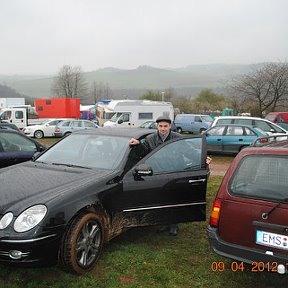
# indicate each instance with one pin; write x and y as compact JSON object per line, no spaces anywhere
{"x":152,"y":141}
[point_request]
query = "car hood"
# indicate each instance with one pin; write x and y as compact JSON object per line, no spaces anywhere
{"x":29,"y":183}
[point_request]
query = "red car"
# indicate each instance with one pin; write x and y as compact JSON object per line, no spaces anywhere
{"x":249,"y":218}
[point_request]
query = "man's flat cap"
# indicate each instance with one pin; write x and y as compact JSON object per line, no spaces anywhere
{"x":163,"y":119}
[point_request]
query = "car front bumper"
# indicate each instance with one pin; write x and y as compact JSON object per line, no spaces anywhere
{"x":244,"y":254}
{"x":36,"y":251}
{"x":29,"y":133}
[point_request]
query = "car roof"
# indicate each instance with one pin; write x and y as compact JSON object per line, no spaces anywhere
{"x":187,"y":115}
{"x":233,"y":125}
{"x":240,"y":117}
{"x":8,"y":130}
{"x":126,"y":132}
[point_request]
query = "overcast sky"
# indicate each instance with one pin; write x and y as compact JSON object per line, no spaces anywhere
{"x":40,"y":36}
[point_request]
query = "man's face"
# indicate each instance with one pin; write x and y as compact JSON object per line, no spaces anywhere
{"x":163,"y":127}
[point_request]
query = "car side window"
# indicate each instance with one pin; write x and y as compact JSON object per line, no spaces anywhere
{"x":88,"y":124}
{"x":236,"y":131}
{"x":263,"y":125}
{"x":177,"y":156}
{"x":249,"y":132}
{"x":125,"y":117}
{"x":55,"y":122}
{"x":197,"y":119}
{"x":19,"y":114}
{"x":15,"y":142}
{"x":76,"y":124}
{"x":243,"y":121}
{"x":65,"y":123}
{"x":224,"y":121}
{"x":216,"y":131}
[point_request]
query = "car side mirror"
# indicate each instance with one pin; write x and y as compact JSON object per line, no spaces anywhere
{"x":142,"y":170}
{"x":35,"y":155}
{"x":120,"y":121}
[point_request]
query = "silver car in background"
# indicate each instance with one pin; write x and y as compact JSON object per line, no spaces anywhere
{"x":68,"y":126}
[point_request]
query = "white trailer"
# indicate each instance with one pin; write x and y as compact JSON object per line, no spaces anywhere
{"x":132,"y":113}
{"x":11,"y":102}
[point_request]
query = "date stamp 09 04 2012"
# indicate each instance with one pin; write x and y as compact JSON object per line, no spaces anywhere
{"x":253,"y":267}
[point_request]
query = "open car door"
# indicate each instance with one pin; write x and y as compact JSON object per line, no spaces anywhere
{"x":168,"y":185}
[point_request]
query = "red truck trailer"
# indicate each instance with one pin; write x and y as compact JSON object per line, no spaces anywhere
{"x":58,"y":107}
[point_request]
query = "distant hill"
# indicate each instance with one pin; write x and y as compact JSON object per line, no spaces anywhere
{"x":186,"y":81}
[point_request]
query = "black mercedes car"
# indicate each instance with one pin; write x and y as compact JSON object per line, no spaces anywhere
{"x":91,"y":186}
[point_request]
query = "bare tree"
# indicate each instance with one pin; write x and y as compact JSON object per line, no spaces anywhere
{"x":99,"y":91}
{"x":264,"y":89}
{"x":69,"y":83}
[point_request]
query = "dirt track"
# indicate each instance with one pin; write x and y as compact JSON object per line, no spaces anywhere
{"x":219,"y":169}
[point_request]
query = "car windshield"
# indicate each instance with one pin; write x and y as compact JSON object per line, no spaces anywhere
{"x":115,"y":117}
{"x":146,"y":124}
{"x":91,"y":151}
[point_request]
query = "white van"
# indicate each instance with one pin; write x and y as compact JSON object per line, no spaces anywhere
{"x":264,"y":124}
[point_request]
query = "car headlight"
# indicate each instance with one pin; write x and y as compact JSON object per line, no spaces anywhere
{"x":6,"y":220}
{"x":30,"y":218}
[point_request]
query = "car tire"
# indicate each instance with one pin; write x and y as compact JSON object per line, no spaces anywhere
{"x":179,"y":130}
{"x":83,"y":243}
{"x":38,"y":134}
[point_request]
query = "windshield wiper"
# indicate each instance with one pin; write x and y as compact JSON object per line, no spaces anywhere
{"x":266,"y":214}
{"x":71,"y":165}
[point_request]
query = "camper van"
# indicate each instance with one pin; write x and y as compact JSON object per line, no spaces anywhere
{"x":132,"y":113}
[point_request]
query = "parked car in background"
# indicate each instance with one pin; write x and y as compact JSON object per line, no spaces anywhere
{"x":91,"y":186}
{"x":280,"y":118}
{"x":4,"y":124}
{"x":231,"y":138}
{"x":153,"y":125}
{"x":46,"y":129}
{"x":68,"y":126}
{"x":192,"y":123}
{"x":15,"y":148}
{"x":264,"y":124}
{"x":248,"y":221}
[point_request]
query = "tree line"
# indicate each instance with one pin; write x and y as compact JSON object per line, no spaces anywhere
{"x":260,"y":91}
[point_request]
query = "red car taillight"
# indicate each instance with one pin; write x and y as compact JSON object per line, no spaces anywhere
{"x":57,"y":129}
{"x":215,"y":213}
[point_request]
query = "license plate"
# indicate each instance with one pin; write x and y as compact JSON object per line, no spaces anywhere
{"x":272,"y":239}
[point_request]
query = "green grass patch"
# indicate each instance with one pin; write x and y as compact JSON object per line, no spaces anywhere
{"x":143,"y":258}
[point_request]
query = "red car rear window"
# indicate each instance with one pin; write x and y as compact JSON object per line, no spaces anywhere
{"x":261,"y":176}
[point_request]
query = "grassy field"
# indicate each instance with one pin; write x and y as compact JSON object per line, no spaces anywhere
{"x":144,"y":258}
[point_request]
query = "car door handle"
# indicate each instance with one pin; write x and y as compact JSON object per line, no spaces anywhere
{"x":218,"y":139}
{"x":197,"y":180}
{"x":240,"y":139}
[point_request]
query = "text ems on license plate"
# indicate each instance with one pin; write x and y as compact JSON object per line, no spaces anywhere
{"x":271,"y":239}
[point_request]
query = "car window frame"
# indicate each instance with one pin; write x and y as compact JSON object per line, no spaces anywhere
{"x":203,"y":154}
